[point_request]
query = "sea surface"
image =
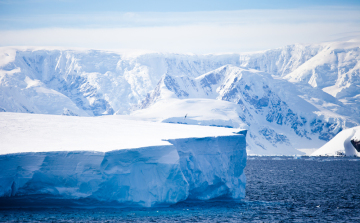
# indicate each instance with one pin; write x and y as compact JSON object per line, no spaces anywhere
{"x":279,"y":189}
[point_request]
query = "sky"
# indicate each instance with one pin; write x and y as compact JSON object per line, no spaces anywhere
{"x":187,"y":26}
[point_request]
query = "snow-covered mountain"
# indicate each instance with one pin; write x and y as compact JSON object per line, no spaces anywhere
{"x":273,"y":109}
{"x":295,"y":97}
{"x":332,"y":67}
{"x":89,"y":82}
{"x":281,"y":61}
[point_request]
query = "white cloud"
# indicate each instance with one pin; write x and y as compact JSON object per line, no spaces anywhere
{"x":197,"y":32}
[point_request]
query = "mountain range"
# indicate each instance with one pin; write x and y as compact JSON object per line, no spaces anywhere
{"x":291,"y":98}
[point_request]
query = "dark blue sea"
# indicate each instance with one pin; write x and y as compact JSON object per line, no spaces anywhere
{"x":279,"y":189}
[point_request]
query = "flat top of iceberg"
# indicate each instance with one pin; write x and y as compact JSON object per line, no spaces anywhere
{"x":21,"y":132}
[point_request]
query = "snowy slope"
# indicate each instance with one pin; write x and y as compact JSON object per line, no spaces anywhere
{"x":276,"y":116}
{"x":341,"y":144}
{"x":331,"y":67}
{"x":89,"y":82}
{"x":281,"y":61}
{"x":260,"y":140}
{"x":335,"y":70}
{"x":198,"y":111}
{"x":116,"y":161}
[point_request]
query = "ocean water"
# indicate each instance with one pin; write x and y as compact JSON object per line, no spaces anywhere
{"x":279,"y":189}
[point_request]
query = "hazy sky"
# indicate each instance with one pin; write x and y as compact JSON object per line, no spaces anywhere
{"x":176,"y":26}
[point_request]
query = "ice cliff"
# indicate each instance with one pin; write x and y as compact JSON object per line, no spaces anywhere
{"x":206,"y":166}
{"x":195,"y":168}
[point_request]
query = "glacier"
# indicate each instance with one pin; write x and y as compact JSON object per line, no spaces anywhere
{"x":69,"y":160}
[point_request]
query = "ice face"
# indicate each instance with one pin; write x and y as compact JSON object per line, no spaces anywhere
{"x":195,"y":168}
{"x":146,"y":176}
{"x":213,"y":166}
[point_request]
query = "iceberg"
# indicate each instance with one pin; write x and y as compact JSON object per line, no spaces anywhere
{"x":344,"y":143}
{"x":188,"y":162}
